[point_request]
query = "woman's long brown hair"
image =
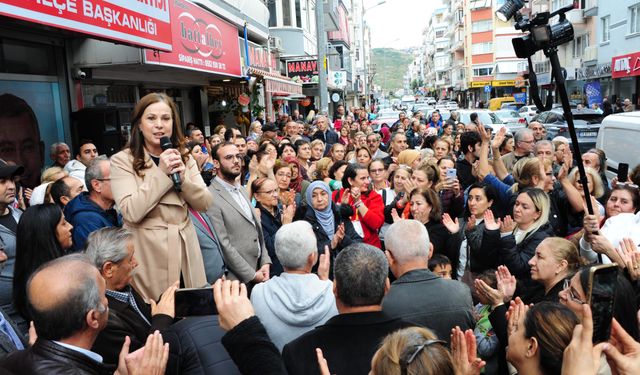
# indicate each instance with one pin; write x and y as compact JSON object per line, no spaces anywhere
{"x":136,"y":143}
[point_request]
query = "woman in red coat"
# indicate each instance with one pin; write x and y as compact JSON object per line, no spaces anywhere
{"x":366,"y":204}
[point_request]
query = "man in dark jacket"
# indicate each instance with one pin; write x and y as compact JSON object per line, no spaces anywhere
{"x":92,"y":210}
{"x":57,"y":305}
{"x":326,"y":135}
{"x":349,"y":339}
{"x":418,"y":295}
{"x":111,"y":251}
{"x":470,"y":147}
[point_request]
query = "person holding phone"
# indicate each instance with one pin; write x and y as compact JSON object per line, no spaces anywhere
{"x":150,"y":205}
{"x":448,"y":188}
{"x":576,"y":293}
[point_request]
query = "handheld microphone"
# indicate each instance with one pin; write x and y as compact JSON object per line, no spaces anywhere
{"x":165,"y":144}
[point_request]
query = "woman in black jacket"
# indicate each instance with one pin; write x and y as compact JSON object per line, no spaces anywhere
{"x":425,"y":207}
{"x":272,"y":217}
{"x":474,"y":258}
{"x":519,"y":237}
{"x":330,"y":222}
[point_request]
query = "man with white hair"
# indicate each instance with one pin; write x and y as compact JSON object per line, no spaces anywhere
{"x":544,"y":149}
{"x":296,"y":301}
{"x":418,"y":295}
{"x":523,"y":142}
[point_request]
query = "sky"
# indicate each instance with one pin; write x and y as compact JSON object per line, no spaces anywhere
{"x":398,"y":23}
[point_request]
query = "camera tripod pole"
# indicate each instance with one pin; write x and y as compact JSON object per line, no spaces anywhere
{"x":552,"y":54}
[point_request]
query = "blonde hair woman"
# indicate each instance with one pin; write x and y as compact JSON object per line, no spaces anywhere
{"x":519,"y":237}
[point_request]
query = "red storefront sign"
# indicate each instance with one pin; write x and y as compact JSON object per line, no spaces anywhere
{"x":259,"y":57}
{"x":143,"y":23}
{"x":626,"y":65}
{"x":201,"y":41}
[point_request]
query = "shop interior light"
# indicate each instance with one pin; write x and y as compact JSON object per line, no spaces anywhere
{"x":226,"y":80}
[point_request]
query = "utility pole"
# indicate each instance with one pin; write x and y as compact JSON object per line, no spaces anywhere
{"x":322,"y":56}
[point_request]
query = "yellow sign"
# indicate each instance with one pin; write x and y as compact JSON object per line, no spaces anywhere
{"x":503,"y":83}
{"x":480,"y":84}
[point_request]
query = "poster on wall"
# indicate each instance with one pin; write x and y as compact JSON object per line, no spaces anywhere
{"x":30,"y":122}
{"x":201,"y":41}
{"x":593,"y":92}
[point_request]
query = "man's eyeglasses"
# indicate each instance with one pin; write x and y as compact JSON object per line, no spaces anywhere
{"x":410,"y":356}
{"x":567,"y":286}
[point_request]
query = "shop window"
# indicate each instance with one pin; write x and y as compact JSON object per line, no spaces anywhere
{"x":20,"y":57}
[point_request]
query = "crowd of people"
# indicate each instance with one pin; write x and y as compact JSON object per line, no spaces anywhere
{"x":424,"y":247}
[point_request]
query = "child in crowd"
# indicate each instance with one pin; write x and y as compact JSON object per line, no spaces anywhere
{"x":485,"y":336}
{"x":440,"y":265}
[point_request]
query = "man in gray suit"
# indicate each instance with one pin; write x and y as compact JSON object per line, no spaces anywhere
{"x":418,"y":295}
{"x":238,"y":227}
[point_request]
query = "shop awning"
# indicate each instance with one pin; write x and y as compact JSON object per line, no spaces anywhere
{"x":274,"y":83}
{"x":291,"y":97}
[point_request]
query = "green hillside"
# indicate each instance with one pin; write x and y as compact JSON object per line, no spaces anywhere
{"x":390,"y":66}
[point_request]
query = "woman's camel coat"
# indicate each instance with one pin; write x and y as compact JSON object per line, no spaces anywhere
{"x":166,"y":244}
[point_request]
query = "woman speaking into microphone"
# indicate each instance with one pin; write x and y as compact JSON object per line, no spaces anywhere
{"x":153,"y":186}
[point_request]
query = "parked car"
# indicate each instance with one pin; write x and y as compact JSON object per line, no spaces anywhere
{"x":586,"y":122}
{"x":451,"y":105}
{"x":486,"y":118}
{"x":388,"y":117}
{"x":512,"y":105}
{"x":618,"y":137}
{"x":527,"y":112}
{"x":511,"y":119}
{"x":496,"y":103}
{"x":421,"y":107}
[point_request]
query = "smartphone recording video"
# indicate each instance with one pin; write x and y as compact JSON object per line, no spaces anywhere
{"x":195,"y":302}
{"x":623,"y":172}
{"x":601,"y":297}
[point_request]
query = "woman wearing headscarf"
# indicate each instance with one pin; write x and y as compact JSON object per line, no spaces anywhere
{"x":296,"y":176}
{"x":330,"y":222}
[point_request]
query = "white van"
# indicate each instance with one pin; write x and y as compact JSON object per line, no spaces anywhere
{"x":619,"y":137}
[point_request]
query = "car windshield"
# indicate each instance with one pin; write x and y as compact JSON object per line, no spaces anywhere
{"x":587,"y":118}
{"x":485,"y":118}
{"x":505,"y":114}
